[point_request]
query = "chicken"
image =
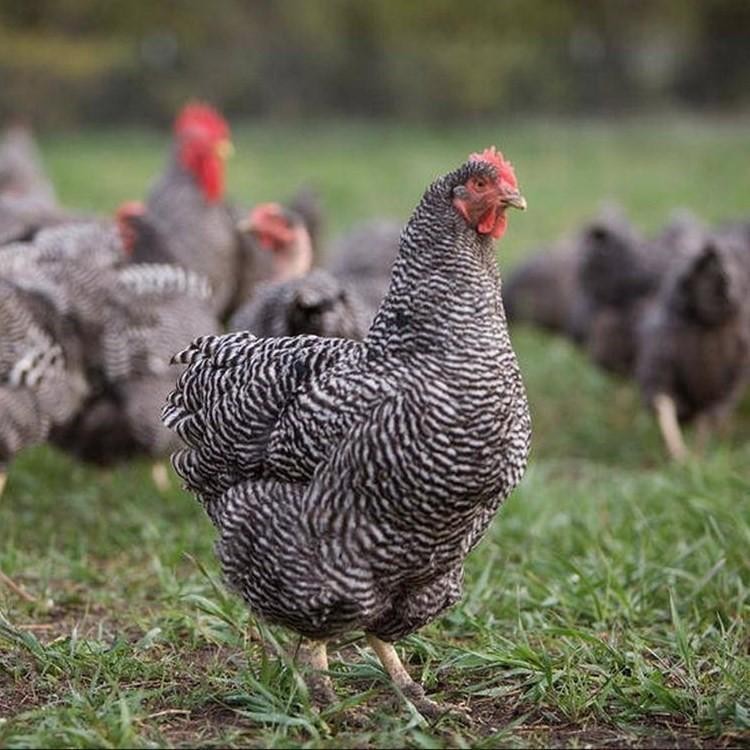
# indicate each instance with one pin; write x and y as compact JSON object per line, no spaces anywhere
{"x":349,"y":480}
{"x":300,"y":300}
{"x":41,"y":376}
{"x":315,"y":304}
{"x":363,"y":257}
{"x":694,"y":352}
{"x":620,"y":274}
{"x":126,"y":320}
{"x":165,"y":307}
{"x":187,"y":201}
{"x":27,"y":198}
{"x":143,"y":238}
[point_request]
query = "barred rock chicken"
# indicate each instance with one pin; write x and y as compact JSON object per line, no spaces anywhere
{"x":41,"y":375}
{"x":300,"y":300}
{"x":694,"y":353}
{"x":160,"y":308}
{"x":349,"y":480}
{"x":187,"y":201}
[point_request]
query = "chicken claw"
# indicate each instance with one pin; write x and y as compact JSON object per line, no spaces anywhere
{"x":313,"y":657}
{"x":412,"y":690}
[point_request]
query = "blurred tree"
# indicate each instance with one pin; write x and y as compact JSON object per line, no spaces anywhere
{"x":63,"y":61}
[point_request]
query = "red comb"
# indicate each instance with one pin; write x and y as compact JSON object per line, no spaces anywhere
{"x":504,"y":168}
{"x":202,"y":119}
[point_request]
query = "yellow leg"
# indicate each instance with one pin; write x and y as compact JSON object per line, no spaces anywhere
{"x":313,"y":657}
{"x":392,"y":664}
{"x":666,"y":415}
{"x":160,"y":476}
{"x":3,"y":480}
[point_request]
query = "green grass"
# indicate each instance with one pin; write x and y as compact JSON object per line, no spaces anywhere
{"x":610,"y":603}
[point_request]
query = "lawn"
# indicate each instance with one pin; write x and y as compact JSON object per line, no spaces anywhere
{"x":609,"y":604}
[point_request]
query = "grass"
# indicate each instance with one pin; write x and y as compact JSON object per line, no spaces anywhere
{"x":609,"y":604}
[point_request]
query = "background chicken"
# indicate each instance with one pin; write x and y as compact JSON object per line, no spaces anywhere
{"x":295,"y":300}
{"x":187,"y":202}
{"x":694,"y":352}
{"x":349,"y":480}
{"x":42,"y":382}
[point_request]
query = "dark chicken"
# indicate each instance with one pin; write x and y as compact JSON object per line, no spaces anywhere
{"x":694,"y":353}
{"x":349,"y":480}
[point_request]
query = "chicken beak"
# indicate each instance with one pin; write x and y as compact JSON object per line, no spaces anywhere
{"x":224,"y":148}
{"x":514,"y":200}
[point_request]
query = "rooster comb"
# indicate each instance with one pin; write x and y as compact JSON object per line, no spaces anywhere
{"x":494,"y":157}
{"x":198,"y":117}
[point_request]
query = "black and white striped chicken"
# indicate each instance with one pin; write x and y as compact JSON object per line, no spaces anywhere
{"x":42,"y":380}
{"x":349,"y":480}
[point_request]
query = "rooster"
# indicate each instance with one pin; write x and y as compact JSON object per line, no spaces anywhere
{"x":187,"y":201}
{"x":349,"y":480}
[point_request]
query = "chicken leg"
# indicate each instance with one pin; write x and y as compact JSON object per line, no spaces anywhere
{"x":3,"y":480}
{"x":392,"y":664}
{"x":313,"y":657}
{"x":666,"y":415}
{"x":160,"y":476}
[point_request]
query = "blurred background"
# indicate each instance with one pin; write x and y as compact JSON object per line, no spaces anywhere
{"x":64,"y":62}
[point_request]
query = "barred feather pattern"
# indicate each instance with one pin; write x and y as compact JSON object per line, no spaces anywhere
{"x":316,"y":304}
{"x":198,"y":235}
{"x":41,"y":384}
{"x":349,"y":480}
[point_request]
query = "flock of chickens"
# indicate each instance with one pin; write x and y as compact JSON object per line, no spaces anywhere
{"x":670,"y":311}
{"x":92,"y":310}
{"x":354,"y":434}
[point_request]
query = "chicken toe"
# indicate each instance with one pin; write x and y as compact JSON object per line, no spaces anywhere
{"x":412,"y":690}
{"x":313,"y":658}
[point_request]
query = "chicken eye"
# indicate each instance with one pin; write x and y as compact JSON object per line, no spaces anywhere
{"x":480,"y":183}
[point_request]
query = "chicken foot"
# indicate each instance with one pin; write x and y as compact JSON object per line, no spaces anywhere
{"x":412,"y":690}
{"x":313,"y":657}
{"x":666,"y":415}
